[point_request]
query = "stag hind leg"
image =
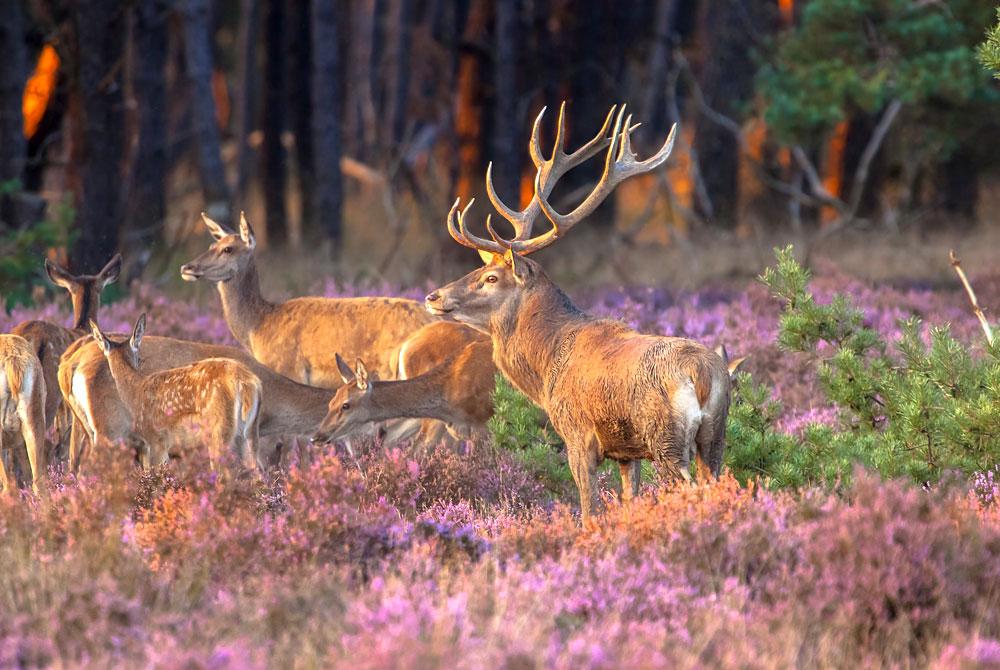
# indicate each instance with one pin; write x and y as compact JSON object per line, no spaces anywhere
{"x":631,"y":472}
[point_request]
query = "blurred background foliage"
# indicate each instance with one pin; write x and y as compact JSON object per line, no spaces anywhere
{"x":345,"y":129}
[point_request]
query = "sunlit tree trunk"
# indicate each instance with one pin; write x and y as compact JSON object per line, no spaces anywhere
{"x":197,"y":18}
{"x":328,"y":194}
{"x":146,"y":204}
{"x":100,"y":30}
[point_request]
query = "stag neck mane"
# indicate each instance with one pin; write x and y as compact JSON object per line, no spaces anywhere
{"x":530,"y":333}
{"x":243,"y":304}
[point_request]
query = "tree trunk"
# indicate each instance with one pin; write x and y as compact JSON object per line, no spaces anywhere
{"x":328,"y":194}
{"x":654,"y":107}
{"x":300,"y":101}
{"x":958,"y":186}
{"x":100,"y":29}
{"x":727,"y":36}
{"x":13,"y":75}
{"x":272,"y":155}
{"x":468,"y":102}
{"x":506,"y":150}
{"x":245,"y":95}
{"x":198,"y":60}
{"x":146,"y":204}
{"x":400,"y":92}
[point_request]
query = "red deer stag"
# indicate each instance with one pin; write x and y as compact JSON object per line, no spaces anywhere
{"x":49,"y":340}
{"x":215,"y":402}
{"x":22,"y":409}
{"x":456,"y":391}
{"x":609,"y":391}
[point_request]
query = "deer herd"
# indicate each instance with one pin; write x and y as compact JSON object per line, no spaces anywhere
{"x":419,"y":371}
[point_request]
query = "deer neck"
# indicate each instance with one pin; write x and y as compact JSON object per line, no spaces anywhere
{"x":529,"y":338}
{"x":417,"y":398}
{"x":242,"y":303}
{"x":85,"y":307}
{"x":127,"y":379}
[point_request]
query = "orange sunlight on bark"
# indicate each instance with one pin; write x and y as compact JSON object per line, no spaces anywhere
{"x":833,"y":168}
{"x":787,"y":9}
{"x":39,"y":89}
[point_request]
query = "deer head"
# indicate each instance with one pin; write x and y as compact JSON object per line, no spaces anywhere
{"x":226,"y":257}
{"x":85,"y":290}
{"x":125,"y":350}
{"x":508,"y":274}
{"x":351,"y":406}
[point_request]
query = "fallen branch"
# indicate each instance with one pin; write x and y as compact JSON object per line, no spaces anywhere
{"x":976,"y":309}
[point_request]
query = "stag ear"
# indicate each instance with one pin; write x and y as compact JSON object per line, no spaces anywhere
{"x":361,"y":374}
{"x":217,"y":231}
{"x":109,"y":273}
{"x":246,"y":232}
{"x":518,"y":266}
{"x":140,"y":329}
{"x":99,"y":337}
{"x":489,"y":258}
{"x":346,"y":373}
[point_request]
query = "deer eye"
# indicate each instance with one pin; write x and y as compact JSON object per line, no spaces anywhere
{"x":227,"y":250}
{"x":491,"y":279}
{"x":345,"y":406}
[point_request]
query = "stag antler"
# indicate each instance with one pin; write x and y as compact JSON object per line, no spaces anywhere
{"x":620,"y":164}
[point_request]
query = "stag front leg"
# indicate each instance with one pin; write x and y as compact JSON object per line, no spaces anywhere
{"x":672,"y":456}
{"x":631,"y":472}
{"x":582,"y":454}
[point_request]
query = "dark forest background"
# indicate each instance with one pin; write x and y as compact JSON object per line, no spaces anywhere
{"x":347,"y":128}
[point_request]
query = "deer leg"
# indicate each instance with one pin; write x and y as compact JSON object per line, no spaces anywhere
{"x":33,"y":429}
{"x":4,"y":477}
{"x":582,"y":454}
{"x":631,"y":472}
{"x":672,"y":455}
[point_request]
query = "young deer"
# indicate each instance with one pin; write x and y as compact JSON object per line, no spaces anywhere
{"x":457,"y":392}
{"x":215,"y":402}
{"x":49,"y":340}
{"x":22,"y":408}
{"x":298,"y":338}
{"x":101,"y":417}
{"x":609,"y":391}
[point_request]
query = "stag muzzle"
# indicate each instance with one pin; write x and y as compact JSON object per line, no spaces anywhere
{"x":438,"y":304}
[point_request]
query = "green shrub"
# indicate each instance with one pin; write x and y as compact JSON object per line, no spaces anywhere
{"x":21,"y":250}
{"x":907,"y":407}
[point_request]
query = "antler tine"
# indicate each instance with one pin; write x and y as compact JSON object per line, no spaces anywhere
{"x":535,"y":143}
{"x":461,"y":234}
{"x":620,"y":164}
{"x":520,"y":220}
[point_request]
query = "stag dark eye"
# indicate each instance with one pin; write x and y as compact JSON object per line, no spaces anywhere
{"x":491,"y":279}
{"x":346,"y":406}
{"x":227,"y":250}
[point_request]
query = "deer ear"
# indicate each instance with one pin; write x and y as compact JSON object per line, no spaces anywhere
{"x":246,"y":232}
{"x":735,"y":365}
{"x":99,"y":337}
{"x":109,"y":273}
{"x":346,"y":373}
{"x":361,"y":374}
{"x":217,"y":231}
{"x":722,"y":353}
{"x":518,"y":267}
{"x":138,"y":332}
{"x":488,"y":257}
{"x":58,"y":276}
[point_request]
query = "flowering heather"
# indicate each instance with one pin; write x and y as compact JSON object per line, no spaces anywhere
{"x":459,"y":558}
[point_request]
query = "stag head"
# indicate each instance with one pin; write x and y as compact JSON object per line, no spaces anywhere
{"x":228,"y":255}
{"x":508,"y":274}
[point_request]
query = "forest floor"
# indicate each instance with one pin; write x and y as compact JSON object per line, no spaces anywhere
{"x":473,"y":557}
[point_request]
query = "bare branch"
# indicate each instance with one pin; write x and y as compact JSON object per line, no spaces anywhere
{"x":976,"y":309}
{"x":871,"y":150}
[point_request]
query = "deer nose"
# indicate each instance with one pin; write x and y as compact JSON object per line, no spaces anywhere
{"x":433,"y":296}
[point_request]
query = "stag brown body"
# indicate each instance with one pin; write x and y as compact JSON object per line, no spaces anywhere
{"x":609,"y":391}
{"x":49,"y":340}
{"x":289,"y":408}
{"x":298,"y":338}
{"x":214,"y":402}
{"x":22,"y":408}
{"x":457,"y":391}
